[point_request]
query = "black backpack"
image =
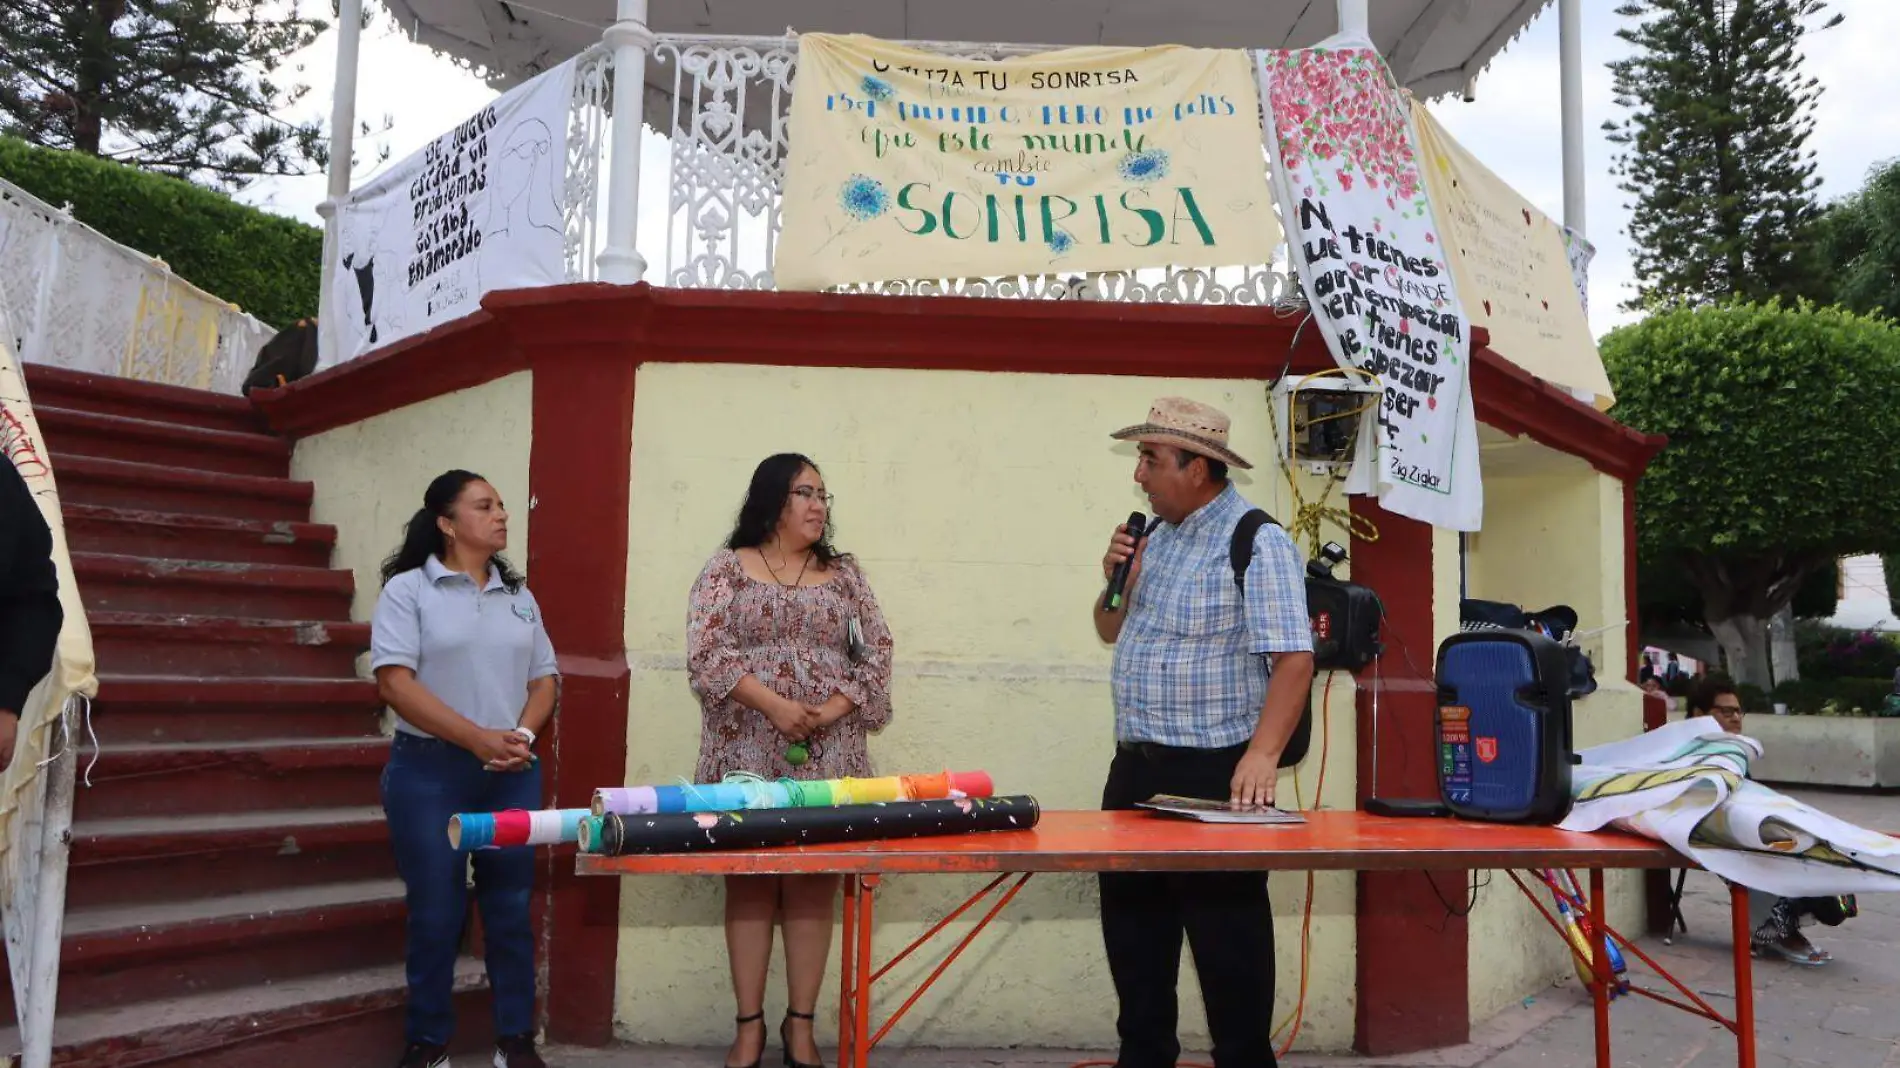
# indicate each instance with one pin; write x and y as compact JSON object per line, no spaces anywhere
{"x":1241,"y":554}
{"x":285,"y":358}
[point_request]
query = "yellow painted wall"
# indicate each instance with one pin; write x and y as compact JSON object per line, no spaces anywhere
{"x":370,"y":475}
{"x":979,"y":506}
{"x":1553,"y":534}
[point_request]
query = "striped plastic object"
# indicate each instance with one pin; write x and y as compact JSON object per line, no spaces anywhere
{"x":515,"y":827}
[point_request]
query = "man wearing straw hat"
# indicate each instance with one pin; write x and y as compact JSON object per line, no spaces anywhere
{"x":1210,"y":679}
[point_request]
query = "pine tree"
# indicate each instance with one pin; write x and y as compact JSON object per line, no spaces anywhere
{"x":1714,"y":149}
{"x":182,"y":87}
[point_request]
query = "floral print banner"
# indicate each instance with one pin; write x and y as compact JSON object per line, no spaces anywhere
{"x":904,"y":164}
{"x":1369,"y":254}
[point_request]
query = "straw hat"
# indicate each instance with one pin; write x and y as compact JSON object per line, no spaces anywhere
{"x":1185,"y":424}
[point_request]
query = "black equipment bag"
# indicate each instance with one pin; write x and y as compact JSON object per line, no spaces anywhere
{"x":1344,"y":617}
{"x":290,"y":355}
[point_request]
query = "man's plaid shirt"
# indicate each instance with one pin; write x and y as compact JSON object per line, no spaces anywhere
{"x":1191,"y":663}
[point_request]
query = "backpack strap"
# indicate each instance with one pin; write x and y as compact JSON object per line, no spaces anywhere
{"x":1241,"y":551}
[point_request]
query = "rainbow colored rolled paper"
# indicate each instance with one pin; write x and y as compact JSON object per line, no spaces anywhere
{"x":514,"y":827}
{"x":590,"y":834}
{"x":741,"y":793}
{"x":625,"y":800}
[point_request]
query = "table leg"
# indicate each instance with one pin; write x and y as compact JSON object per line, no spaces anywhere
{"x":1600,"y":967}
{"x":861,"y":1040}
{"x":1742,"y":935}
{"x":847,"y":966}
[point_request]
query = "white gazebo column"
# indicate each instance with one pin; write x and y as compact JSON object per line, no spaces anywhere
{"x":620,"y":261}
{"x":1570,"y":62}
{"x":1354,"y":18}
{"x":349,"y":32}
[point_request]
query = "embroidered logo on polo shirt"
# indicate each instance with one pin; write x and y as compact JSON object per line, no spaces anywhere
{"x":524,"y":612}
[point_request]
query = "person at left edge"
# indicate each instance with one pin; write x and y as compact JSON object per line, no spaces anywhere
{"x":1209,"y":683}
{"x":461,"y":656}
{"x":30,"y":615}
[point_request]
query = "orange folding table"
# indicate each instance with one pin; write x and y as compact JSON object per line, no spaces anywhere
{"x":1139,"y":841}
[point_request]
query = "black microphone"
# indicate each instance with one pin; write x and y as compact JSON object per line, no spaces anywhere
{"x":1112,"y":600}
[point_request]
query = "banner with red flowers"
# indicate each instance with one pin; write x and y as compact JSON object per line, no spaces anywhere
{"x":1367,"y":249}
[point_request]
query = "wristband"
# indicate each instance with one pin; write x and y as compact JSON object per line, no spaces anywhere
{"x":529,"y":733}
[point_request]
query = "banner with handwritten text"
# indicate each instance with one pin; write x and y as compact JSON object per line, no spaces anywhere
{"x":906,"y":164}
{"x":1371,"y":258}
{"x":1509,"y":261}
{"x":480,"y":208}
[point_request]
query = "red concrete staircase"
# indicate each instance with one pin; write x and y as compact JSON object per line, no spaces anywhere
{"x":233,"y":899}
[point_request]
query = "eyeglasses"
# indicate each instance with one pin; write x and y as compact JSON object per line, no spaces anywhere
{"x":809,"y":494}
{"x":1728,"y":710}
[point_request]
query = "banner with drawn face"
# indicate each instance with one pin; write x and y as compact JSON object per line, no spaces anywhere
{"x":480,"y":208}
{"x":906,"y":164}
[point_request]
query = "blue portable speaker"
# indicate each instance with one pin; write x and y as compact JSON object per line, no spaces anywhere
{"x":1504,"y":739}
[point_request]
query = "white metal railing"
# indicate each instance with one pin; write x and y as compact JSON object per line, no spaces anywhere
{"x":726,"y":133}
{"x":80,"y":300}
{"x":586,"y":147}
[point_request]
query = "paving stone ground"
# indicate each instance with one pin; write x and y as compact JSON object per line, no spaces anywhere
{"x":1843,"y":1015}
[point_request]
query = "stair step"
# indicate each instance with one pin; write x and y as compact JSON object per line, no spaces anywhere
{"x":76,"y":432}
{"x":112,"y":955}
{"x":111,"y":395}
{"x":168,"y":858}
{"x":137,"y":709}
{"x":116,"y":583}
{"x":212,"y":777}
{"x":149,"y":643}
{"x":153,"y":487}
{"x":348,"y":1017}
{"x":94,"y":528}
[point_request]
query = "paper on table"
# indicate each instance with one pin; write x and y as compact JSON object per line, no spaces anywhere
{"x":1206,"y":811}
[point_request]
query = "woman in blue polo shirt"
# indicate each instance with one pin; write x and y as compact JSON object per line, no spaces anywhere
{"x":461,"y":656}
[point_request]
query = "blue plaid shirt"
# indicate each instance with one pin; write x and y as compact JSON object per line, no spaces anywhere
{"x":1191,"y":662}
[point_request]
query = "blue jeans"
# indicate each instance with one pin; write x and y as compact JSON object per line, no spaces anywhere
{"x":426,"y":782}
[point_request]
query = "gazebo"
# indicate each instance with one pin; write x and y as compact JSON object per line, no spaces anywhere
{"x":697,"y":61}
{"x":575,"y":399}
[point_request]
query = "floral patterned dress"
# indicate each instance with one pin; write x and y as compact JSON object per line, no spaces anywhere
{"x":794,"y":640}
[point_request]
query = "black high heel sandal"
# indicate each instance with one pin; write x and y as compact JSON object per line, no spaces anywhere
{"x":757,"y":1018}
{"x":785,"y":1039}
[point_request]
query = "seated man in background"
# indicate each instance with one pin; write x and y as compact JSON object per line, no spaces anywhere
{"x":1776,"y":920}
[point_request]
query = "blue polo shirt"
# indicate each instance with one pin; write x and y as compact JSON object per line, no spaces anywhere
{"x":476,"y":649}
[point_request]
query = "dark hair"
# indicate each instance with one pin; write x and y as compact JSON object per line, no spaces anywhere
{"x":1216,"y":469}
{"x":422,"y":538}
{"x":1705,"y":690}
{"x":765,"y":501}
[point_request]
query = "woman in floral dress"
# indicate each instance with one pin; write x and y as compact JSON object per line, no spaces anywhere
{"x":791,"y":660}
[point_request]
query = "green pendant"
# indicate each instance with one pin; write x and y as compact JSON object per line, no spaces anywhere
{"x":796,"y":754}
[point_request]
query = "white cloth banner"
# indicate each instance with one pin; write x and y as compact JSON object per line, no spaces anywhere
{"x":1580,"y":252}
{"x":1687,"y":784}
{"x":480,"y":208}
{"x":1364,"y":241}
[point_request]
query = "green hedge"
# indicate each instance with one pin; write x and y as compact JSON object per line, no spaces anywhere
{"x":1810,"y":697}
{"x":269,"y":265}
